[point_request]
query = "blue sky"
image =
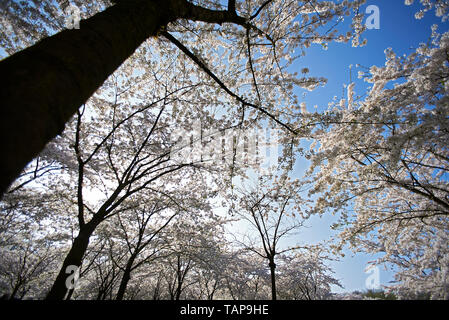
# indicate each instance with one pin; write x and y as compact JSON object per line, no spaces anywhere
{"x":402,"y":32}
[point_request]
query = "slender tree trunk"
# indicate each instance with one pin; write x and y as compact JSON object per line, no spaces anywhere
{"x":42,"y":86}
{"x":73,"y":258}
{"x":125,"y":279}
{"x":272,"y":266}
{"x":14,"y":291}
{"x":178,"y":292}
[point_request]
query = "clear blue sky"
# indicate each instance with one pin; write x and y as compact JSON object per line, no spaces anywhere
{"x":398,"y":30}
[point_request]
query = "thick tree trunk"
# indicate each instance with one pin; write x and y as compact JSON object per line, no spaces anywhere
{"x":73,"y":258}
{"x":42,"y":86}
{"x":125,"y":279}
{"x":272,"y":266}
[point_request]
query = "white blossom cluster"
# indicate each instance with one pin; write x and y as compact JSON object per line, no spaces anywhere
{"x":441,"y":8}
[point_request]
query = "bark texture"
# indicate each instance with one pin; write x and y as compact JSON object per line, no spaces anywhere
{"x":125,"y":278}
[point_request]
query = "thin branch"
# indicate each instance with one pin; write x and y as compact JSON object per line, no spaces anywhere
{"x":260,"y":9}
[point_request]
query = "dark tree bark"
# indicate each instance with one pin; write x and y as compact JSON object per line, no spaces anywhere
{"x":125,"y":278}
{"x":74,"y":258}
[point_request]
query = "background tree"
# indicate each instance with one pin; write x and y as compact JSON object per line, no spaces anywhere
{"x":138,"y":234}
{"x":103,"y":278}
{"x":247,"y":277}
{"x":271,"y":207}
{"x":31,"y":244}
{"x":305,"y":276}
{"x":193,"y":243}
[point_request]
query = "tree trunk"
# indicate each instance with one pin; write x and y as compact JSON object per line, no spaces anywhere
{"x":125,"y":279}
{"x":73,"y":258}
{"x":42,"y":86}
{"x":100,"y":295}
{"x":272,"y":266}
{"x":178,"y":292}
{"x":14,"y":291}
